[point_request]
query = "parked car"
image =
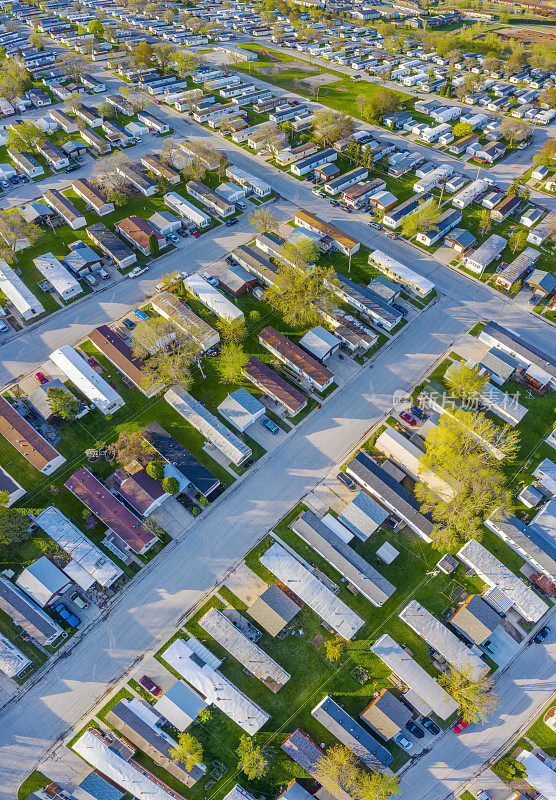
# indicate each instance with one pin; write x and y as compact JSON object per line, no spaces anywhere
{"x":79,"y":601}
{"x":345,"y":479}
{"x":103,"y":274}
{"x":401,"y":309}
{"x":150,"y":686}
{"x":406,"y":416}
{"x":173,"y":238}
{"x":403,"y":741}
{"x":41,"y":377}
{"x":482,"y":794}
{"x":240,"y":204}
{"x":210,"y":279}
{"x":14,"y":180}
{"x":270,"y":425}
{"x":230,"y":222}
{"x":136,"y":271}
{"x":541,"y":635}
{"x":413,"y":728}
{"x":431,"y":726}
{"x":374,"y":225}
{"x":195,"y":234}
{"x":3,"y":327}
{"x":140,"y":314}
{"x":67,"y":615}
{"x":91,"y":280}
{"x":182,"y":232}
{"x":419,"y":413}
{"x":128,"y":323}
{"x":460,"y":726}
{"x":72,"y":168}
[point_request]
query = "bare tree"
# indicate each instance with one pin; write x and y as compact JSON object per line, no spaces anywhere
{"x":74,"y":64}
{"x":105,"y":175}
{"x":16,"y":232}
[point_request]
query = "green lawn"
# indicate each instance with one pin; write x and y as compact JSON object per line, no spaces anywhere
{"x":33,"y":783}
{"x":542,"y":735}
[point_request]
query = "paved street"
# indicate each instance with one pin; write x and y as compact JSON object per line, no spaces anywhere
{"x":150,"y":606}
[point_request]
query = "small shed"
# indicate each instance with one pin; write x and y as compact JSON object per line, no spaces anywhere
{"x":180,"y":705}
{"x":387,"y":553}
{"x":273,"y":610}
{"x":43,"y":581}
{"x":241,"y":409}
{"x":386,"y":714}
{"x":530,"y":496}
{"x":363,"y":516}
{"x":385,"y":289}
{"x":327,"y":172}
{"x":164,"y":222}
{"x":237,"y":281}
{"x":39,"y":397}
{"x":230,"y":192}
{"x":320,"y":343}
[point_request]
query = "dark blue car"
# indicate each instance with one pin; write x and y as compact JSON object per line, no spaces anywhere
{"x":419,"y":413}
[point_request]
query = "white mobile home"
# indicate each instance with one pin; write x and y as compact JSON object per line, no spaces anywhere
{"x":470,"y":193}
{"x":18,"y":293}
{"x":479,"y":260}
{"x":185,"y":209}
{"x":210,"y":297}
{"x":87,"y":380}
{"x":58,"y":276}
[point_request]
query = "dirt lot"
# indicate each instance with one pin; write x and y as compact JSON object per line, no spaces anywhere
{"x":529,"y":37}
{"x":285,"y":66}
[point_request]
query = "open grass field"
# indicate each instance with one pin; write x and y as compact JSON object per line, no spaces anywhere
{"x":340,"y":95}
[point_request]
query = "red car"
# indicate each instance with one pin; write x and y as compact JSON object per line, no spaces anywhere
{"x":460,"y":726}
{"x":196,"y":234}
{"x":91,"y":362}
{"x":41,"y":378}
{"x":150,"y":686}
{"x":406,"y":416}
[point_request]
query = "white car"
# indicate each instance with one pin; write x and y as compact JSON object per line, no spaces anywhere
{"x":400,"y":739}
{"x":136,"y":271}
{"x":316,"y":192}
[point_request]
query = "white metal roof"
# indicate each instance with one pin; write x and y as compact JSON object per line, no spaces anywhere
{"x":319,"y":342}
{"x":245,"y":177}
{"x":12,"y":660}
{"x":42,"y":579}
{"x":82,"y":550}
{"x":494,"y":573}
{"x":205,"y":422}
{"x":310,"y":589}
{"x":87,"y":380}
{"x":443,"y":640}
{"x":406,"y":275}
{"x":213,"y":686}
{"x":55,"y":272}
{"x":18,"y":292}
{"x":99,"y":756}
{"x":336,"y":527}
{"x":240,"y":408}
{"x":414,"y":676}
{"x":210,"y":297}
{"x":180,"y":705}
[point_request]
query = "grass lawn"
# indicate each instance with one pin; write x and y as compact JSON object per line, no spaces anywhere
{"x":35,"y":781}
{"x":340,"y":95}
{"x":542,"y":735}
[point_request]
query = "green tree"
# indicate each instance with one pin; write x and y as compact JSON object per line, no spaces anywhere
{"x":252,"y":760}
{"x":14,"y":524}
{"x":205,"y":714}
{"x":189,"y":751}
{"x":156,"y":470}
{"x":510,"y":769}
{"x":185,"y":62}
{"x":163,"y":52}
{"x":170,"y":485}
{"x":462,"y":129}
{"x":232,"y":331}
{"x":107,"y":110}
{"x":143,"y":54}
{"x":230,"y":362}
{"x":485,"y":222}
{"x":37,"y":40}
{"x":97,"y":28}
{"x":515,"y":130}
{"x":424,"y":219}
{"x":62,"y":403}
{"x":330,"y":126}
{"x":153,"y":245}
{"x":167,"y":353}
{"x":26,"y":135}
{"x":518,"y":240}
{"x":375,"y":786}
{"x":300,"y":296}
{"x":466,"y":381}
{"x":14,"y":229}
{"x":337,"y":771}
{"x":384,"y":101}
{"x":334,"y":649}
{"x":264,"y":220}
{"x":476,"y":699}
